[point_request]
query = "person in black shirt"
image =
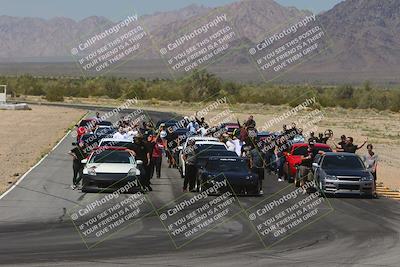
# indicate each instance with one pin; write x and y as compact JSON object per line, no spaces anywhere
{"x":78,"y":153}
{"x":141,"y":151}
{"x":324,"y":137}
{"x":342,"y":142}
{"x":312,"y":138}
{"x":306,"y":164}
{"x":257,"y":164}
{"x":349,"y":147}
{"x":202,"y":123}
{"x":250,"y":123}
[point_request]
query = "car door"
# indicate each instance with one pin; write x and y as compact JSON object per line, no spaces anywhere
{"x":318,"y":159}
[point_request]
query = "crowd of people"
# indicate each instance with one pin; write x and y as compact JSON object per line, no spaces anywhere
{"x":265,"y":151}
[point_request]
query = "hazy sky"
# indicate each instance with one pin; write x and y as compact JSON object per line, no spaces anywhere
{"x":79,"y":9}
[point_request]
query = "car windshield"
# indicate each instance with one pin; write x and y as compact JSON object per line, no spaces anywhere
{"x":84,"y":123}
{"x":111,"y":156}
{"x":300,"y":151}
{"x":225,"y":165}
{"x":105,"y":131}
{"x":303,"y":150}
{"x":201,"y":148}
{"x":213,"y":153}
{"x":342,"y":162}
{"x":104,"y":123}
{"x":115,"y":143}
{"x":324,"y":149}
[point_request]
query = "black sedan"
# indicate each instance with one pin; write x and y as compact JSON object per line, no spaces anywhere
{"x":235,"y":170}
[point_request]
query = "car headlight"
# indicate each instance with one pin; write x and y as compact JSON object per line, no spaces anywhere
{"x":249,"y":177}
{"x":132,"y":172}
{"x":330,"y":177}
{"x":367,"y":178}
{"x":92,"y":171}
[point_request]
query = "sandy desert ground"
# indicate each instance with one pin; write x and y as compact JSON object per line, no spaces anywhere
{"x":27,"y":135}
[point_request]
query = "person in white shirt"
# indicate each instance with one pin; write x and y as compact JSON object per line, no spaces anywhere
{"x":230,"y":145}
{"x":193,"y":126}
{"x":121,"y":134}
{"x":237,"y":144}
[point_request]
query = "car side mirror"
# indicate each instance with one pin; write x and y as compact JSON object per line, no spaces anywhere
{"x":84,"y":161}
{"x":139,"y":162}
{"x":315,"y":165}
{"x":74,"y":143}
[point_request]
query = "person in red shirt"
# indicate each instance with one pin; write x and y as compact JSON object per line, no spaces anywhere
{"x":156,"y":157}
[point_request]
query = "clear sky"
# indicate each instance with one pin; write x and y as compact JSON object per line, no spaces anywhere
{"x":78,"y":9}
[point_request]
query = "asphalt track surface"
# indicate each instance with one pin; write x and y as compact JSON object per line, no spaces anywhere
{"x":36,"y":230}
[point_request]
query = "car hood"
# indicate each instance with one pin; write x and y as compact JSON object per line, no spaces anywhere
{"x":110,"y":167}
{"x":346,"y":172}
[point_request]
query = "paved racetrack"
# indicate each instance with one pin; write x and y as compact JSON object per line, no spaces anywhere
{"x":35,"y":229}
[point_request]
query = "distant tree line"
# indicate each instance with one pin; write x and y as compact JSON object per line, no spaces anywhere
{"x":199,"y":86}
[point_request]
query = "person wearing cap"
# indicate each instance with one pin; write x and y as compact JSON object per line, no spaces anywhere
{"x":78,"y":154}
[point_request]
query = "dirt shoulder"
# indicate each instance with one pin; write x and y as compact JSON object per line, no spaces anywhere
{"x":27,"y":135}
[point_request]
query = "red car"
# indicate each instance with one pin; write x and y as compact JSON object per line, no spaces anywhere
{"x":293,"y":158}
{"x":83,"y":127}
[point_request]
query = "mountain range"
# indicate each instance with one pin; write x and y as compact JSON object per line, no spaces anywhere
{"x":364,"y":37}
